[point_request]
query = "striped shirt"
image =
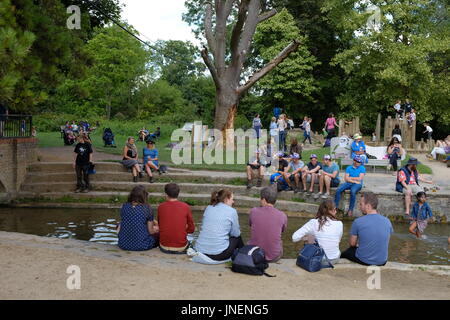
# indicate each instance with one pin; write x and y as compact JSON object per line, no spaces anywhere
{"x":218,"y":224}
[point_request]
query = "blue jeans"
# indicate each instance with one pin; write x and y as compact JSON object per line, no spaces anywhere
{"x":282,"y":137}
{"x":353,"y":187}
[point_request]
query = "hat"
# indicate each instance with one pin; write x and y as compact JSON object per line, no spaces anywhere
{"x":327,"y":157}
{"x":357,"y":136}
{"x":280,"y":154}
{"x":413,"y":161}
{"x":295,"y":156}
{"x":150,"y":142}
{"x":358,"y":159}
{"x":313,"y":156}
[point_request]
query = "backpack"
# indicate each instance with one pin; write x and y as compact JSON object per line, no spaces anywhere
{"x":249,"y":260}
{"x":311,"y":256}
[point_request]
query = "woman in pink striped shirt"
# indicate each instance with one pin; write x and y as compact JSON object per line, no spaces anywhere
{"x":330,"y":125}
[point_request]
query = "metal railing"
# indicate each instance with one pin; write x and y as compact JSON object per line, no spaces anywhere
{"x":15,"y":126}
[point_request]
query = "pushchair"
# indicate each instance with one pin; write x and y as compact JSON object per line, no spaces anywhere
{"x":68,"y":137}
{"x":108,"y":138}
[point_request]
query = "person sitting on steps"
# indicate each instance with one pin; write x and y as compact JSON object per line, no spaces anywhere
{"x":151,"y":160}
{"x":296,"y":166}
{"x":310,"y":173}
{"x":130,"y":158}
{"x":329,"y":177}
{"x":255,"y":165}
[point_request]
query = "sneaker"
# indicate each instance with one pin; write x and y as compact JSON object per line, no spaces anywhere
{"x":78,"y":190}
{"x":258,"y":183}
{"x":317,"y":195}
{"x":141,"y":175}
{"x":150,"y":179}
{"x":288,"y":189}
{"x":135,"y":179}
{"x":85,"y":191}
{"x":249,"y":184}
{"x":308,"y":193}
{"x":296,"y":190}
{"x":325,"y":195}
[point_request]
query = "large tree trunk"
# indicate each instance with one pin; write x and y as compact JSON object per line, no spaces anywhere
{"x":226,"y":110}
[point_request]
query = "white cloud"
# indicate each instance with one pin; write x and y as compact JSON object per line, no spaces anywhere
{"x":158,"y":19}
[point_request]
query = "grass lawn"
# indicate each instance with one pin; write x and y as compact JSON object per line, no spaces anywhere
{"x":53,"y":139}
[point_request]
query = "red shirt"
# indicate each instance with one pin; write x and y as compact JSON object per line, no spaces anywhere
{"x":175,"y":222}
{"x":402,"y":177}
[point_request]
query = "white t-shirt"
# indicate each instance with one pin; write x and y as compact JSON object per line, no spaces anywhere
{"x":281,"y":125}
{"x":328,"y":237}
{"x":397,"y":106}
{"x":429,"y":129}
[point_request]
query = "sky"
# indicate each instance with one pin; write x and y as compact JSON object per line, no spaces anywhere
{"x":158,"y":19}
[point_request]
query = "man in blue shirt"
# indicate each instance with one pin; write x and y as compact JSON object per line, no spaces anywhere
{"x":276,"y":112}
{"x":353,"y":181}
{"x":370,"y":234}
{"x":328,"y":177}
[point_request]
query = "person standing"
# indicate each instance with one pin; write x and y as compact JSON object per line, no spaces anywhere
{"x":257,"y":125}
{"x":408,"y":182}
{"x":398,"y":109}
{"x":306,"y":125}
{"x":267,"y":224}
{"x":274,"y":131}
{"x":428,"y":131}
{"x":421,"y":213}
{"x":282,"y":125}
{"x":82,"y":162}
{"x":276,"y":112}
{"x":353,"y":181}
{"x":369,"y":235}
{"x":330,"y":125}
{"x":175,"y":222}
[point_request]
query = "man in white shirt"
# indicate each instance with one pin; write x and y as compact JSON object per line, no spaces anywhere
{"x":428,"y":131}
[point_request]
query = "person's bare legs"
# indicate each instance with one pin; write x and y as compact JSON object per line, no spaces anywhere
{"x":327,"y":184}
{"x":148,"y":170}
{"x":321,"y":183}
{"x":134,"y":171}
{"x":412,"y":229}
{"x":304,"y":178}
{"x":408,"y":196}
{"x":297,"y":180}
{"x":313,"y":180}
{"x":249,"y":173}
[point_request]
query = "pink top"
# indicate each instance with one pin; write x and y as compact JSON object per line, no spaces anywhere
{"x":267,"y":224}
{"x":330,"y":123}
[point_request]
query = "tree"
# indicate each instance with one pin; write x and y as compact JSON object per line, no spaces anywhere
{"x":404,"y":58}
{"x":227,"y":70}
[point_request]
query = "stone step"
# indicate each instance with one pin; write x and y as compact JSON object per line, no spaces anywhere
{"x":62,"y":167}
{"x":156,"y":197}
{"x":105,"y":176}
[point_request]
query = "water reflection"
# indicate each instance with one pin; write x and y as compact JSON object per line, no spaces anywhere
{"x":99,"y":225}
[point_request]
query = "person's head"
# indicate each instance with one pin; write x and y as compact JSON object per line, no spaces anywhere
{"x":368,"y":202}
{"x":85,"y":138}
{"x":327,"y":210}
{"x":80,"y":138}
{"x":399,"y":101}
{"x":407,"y":100}
{"x":413,"y":110}
{"x":223,"y":195}
{"x":138,"y":195}
{"x":412,"y":164}
{"x":172,"y":190}
{"x":313,"y":159}
{"x":305,"y":118}
{"x":327,"y":160}
{"x":357,"y":137}
{"x":331,"y":115}
{"x":294,"y":142}
{"x":280,"y":154}
{"x":357,"y":160}
{"x":158,"y":128}
{"x":421,"y":197}
{"x":130,"y":140}
{"x":309,"y":120}
{"x":282,"y":116}
{"x":268,"y":196}
{"x":394,"y":140}
{"x":274,"y":119}
{"x":257,"y":115}
{"x":295,"y":157}
{"x":150,"y":144}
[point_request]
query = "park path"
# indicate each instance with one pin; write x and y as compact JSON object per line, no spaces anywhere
{"x":441,"y":173}
{"x":65,"y":154}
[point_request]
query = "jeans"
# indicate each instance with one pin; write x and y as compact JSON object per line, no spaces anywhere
{"x":258,"y":131}
{"x":307,"y":136}
{"x":350,"y":254}
{"x":393,"y":157}
{"x":235,"y":242}
{"x":353,"y":187}
{"x":82,"y":176}
{"x":282,"y":139}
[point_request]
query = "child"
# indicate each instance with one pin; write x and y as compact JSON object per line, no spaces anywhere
{"x":420,"y":214}
{"x":374,"y":137}
{"x":428,"y":131}
{"x":411,"y":118}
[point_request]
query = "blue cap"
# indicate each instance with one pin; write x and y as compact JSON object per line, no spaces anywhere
{"x":313,"y":156}
{"x":358,"y":159}
{"x":295,"y":156}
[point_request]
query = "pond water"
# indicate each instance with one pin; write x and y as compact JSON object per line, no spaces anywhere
{"x":99,"y":225}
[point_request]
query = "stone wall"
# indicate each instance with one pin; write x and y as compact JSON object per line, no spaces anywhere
{"x":15,"y":156}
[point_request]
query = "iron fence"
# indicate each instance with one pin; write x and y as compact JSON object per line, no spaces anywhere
{"x":15,"y":126}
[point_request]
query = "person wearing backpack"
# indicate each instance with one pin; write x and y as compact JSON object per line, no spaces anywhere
{"x":267,"y":224}
{"x":369,"y":235}
{"x":220,"y":233}
{"x":325,"y":228}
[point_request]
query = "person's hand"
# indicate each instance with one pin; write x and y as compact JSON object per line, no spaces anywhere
{"x":73,"y":165}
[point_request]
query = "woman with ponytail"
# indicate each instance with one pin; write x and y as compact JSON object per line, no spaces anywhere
{"x":220,"y":233}
{"x":130,"y":158}
{"x":326,"y":229}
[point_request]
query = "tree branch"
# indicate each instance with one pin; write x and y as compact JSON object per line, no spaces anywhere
{"x":268,"y":67}
{"x":210,"y":66}
{"x":208,"y":29}
{"x":237,"y":30}
{"x":266,"y":15}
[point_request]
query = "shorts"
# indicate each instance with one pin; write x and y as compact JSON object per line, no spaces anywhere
{"x":414,"y":188}
{"x":253,"y":166}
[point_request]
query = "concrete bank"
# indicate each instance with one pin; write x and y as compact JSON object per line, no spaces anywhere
{"x":35,"y":268}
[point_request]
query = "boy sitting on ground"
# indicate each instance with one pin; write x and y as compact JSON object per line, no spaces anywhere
{"x":175,"y":222}
{"x":255,"y":165}
{"x":293,"y":178}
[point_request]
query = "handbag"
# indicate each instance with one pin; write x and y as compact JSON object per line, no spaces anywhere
{"x":92,"y":169}
{"x":311,"y":258}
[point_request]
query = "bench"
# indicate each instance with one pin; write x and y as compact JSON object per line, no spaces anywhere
{"x":341,"y":149}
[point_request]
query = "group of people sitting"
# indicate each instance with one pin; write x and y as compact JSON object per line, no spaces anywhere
{"x":145,"y":135}
{"x":142,"y":229}
{"x":70,"y":131}
{"x":150,"y":159}
{"x":442,"y":147}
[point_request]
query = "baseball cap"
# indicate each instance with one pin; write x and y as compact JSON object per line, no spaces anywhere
{"x":327,"y":157}
{"x":357,"y":136}
{"x":295,"y":156}
{"x":357,"y":159}
{"x":280,"y":154}
{"x":313,"y":156}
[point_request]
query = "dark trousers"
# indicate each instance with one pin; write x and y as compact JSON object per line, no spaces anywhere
{"x":228,"y":252}
{"x":307,"y":137}
{"x":350,"y":254}
{"x":393,"y":160}
{"x":82,"y":176}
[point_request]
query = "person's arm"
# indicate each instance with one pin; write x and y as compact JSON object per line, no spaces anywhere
{"x":331,"y":175}
{"x":74,"y":159}
{"x":190,"y":227}
{"x":425,"y":180}
{"x":315,"y":170}
{"x":152,"y":227}
{"x":306,"y":229}
{"x":284,"y":227}
{"x":125,"y":151}
{"x":353,"y":239}
{"x":235,"y":229}
{"x":91,"y":153}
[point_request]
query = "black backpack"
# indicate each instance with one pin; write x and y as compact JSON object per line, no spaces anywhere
{"x":249,"y":260}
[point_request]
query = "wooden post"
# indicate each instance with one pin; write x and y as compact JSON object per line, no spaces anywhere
{"x":341,"y":127}
{"x":378,"y":129}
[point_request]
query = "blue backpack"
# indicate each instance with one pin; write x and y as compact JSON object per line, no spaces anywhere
{"x":311,"y":256}
{"x":249,"y":260}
